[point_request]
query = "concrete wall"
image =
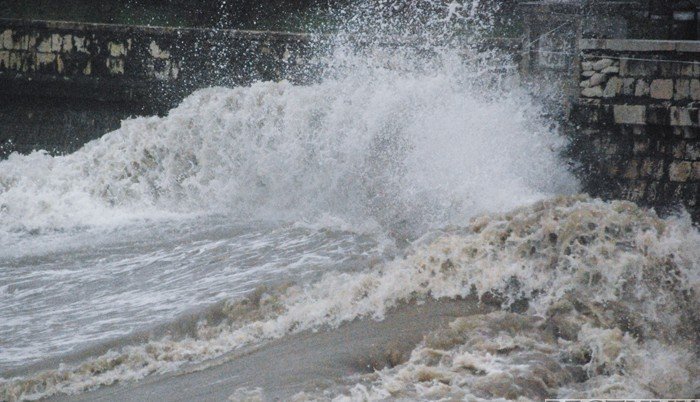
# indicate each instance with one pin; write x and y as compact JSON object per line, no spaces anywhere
{"x":638,"y":121}
{"x":64,"y":83}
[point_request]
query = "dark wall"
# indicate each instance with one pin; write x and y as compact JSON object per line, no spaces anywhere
{"x":146,"y":12}
{"x":242,"y":14}
{"x":277,"y":15}
{"x":58,"y":125}
{"x":64,"y":83}
{"x":637,"y":133}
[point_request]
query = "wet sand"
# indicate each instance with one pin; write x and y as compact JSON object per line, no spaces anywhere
{"x":304,"y":361}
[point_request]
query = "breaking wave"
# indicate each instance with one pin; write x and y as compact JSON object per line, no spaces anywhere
{"x":372,"y":145}
{"x":440,"y":150}
{"x":590,"y":298}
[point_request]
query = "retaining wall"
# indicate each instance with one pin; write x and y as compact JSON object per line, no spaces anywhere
{"x":637,"y":133}
{"x":119,"y":62}
{"x":64,"y":83}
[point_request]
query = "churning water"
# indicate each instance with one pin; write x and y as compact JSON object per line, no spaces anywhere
{"x":253,"y":214}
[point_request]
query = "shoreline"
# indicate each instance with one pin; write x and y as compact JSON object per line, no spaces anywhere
{"x":311,"y":359}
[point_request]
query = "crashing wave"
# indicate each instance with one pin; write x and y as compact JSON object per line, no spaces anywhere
{"x":403,"y":149}
{"x":594,"y":298}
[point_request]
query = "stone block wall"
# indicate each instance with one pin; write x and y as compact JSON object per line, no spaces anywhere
{"x":637,"y":133}
{"x":64,"y":83}
{"x":119,"y":62}
{"x":551,"y":30}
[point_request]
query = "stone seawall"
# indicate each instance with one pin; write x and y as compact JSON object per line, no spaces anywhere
{"x":118,"y":62}
{"x":637,"y":122}
{"x":64,"y":83}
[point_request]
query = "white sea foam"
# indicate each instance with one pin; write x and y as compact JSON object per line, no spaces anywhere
{"x":610,"y":288}
{"x":404,"y":149}
{"x":390,"y":150}
{"x":388,"y":143}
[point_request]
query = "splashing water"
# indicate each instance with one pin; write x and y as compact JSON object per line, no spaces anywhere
{"x":405,"y":174}
{"x":378,"y":145}
{"x":612,"y":310}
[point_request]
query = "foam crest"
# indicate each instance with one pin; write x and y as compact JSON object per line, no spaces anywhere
{"x":403,"y":146}
{"x":589,"y":292}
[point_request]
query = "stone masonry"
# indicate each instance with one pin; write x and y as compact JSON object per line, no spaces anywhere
{"x":64,"y":83}
{"x":121,"y":62}
{"x":638,"y":121}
